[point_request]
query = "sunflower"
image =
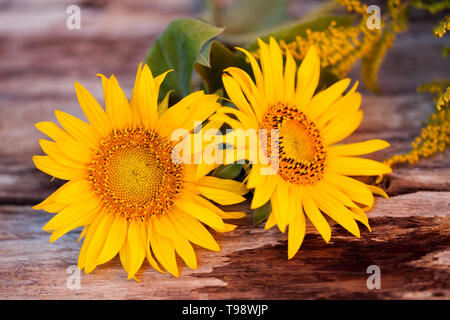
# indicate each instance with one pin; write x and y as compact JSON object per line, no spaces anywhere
{"x":123,"y":186}
{"x":313,"y":170}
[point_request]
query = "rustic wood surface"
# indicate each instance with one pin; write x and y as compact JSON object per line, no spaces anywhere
{"x":39,"y":61}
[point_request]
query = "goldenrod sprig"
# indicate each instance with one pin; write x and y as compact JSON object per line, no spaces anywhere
{"x":435,"y":135}
{"x":442,"y":27}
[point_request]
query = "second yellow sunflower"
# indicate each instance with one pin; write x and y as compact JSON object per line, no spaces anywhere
{"x":313,"y":170}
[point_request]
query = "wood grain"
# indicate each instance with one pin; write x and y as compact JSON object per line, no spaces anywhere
{"x":40,"y":60}
{"x":410,"y":247}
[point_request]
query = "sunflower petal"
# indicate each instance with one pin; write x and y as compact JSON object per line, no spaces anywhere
{"x":335,"y":210}
{"x":297,"y":230}
{"x":80,"y":130}
{"x":136,"y":239}
{"x":201,"y":213}
{"x":356,"y":190}
{"x":223,"y":184}
{"x":165,"y":253}
{"x":149,"y":255}
{"x":356,"y":149}
{"x":53,"y":131}
{"x":350,"y":166}
{"x":115,"y":239}
{"x":195,"y":107}
{"x":93,"y":111}
{"x":182,"y":246}
{"x":53,"y":168}
{"x":307,"y":78}
{"x":54,"y":152}
{"x":270,"y":221}
{"x":222,"y":197}
{"x":280,"y":205}
{"x":147,"y":98}
{"x":88,"y":239}
{"x":85,"y":218}
{"x":117,"y":106}
{"x":322,"y":100}
{"x":193,"y":230}
{"x":264,"y":192}
{"x":97,"y":242}
{"x":317,"y":219}
{"x":70,"y":214}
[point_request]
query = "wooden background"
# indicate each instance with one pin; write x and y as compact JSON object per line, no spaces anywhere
{"x":39,"y":61}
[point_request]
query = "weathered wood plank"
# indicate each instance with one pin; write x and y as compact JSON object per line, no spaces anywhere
{"x":411,"y":250}
{"x":39,"y":61}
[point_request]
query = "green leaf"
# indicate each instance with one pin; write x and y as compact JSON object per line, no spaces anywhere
{"x":177,"y":48}
{"x":235,"y":15}
{"x":266,"y":14}
{"x":262,"y":213}
{"x":220,"y":58}
{"x":288,"y":33}
{"x":229,"y":171}
{"x":203,"y":56}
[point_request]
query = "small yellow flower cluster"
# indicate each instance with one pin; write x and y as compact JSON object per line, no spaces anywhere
{"x":443,"y":99}
{"x":435,"y":136}
{"x":353,"y":6}
{"x":442,"y":27}
{"x":338,"y":47}
{"x":436,"y":88}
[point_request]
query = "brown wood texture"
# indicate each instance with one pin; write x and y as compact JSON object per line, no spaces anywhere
{"x":39,"y":61}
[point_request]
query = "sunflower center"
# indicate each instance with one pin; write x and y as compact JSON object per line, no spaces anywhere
{"x":134,"y":175}
{"x":302,"y":156}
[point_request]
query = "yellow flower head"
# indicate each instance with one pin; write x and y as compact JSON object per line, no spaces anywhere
{"x":124,"y":188}
{"x":313,"y":170}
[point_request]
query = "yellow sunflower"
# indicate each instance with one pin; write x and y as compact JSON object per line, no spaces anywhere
{"x":313,"y":170}
{"x":124,"y":188}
